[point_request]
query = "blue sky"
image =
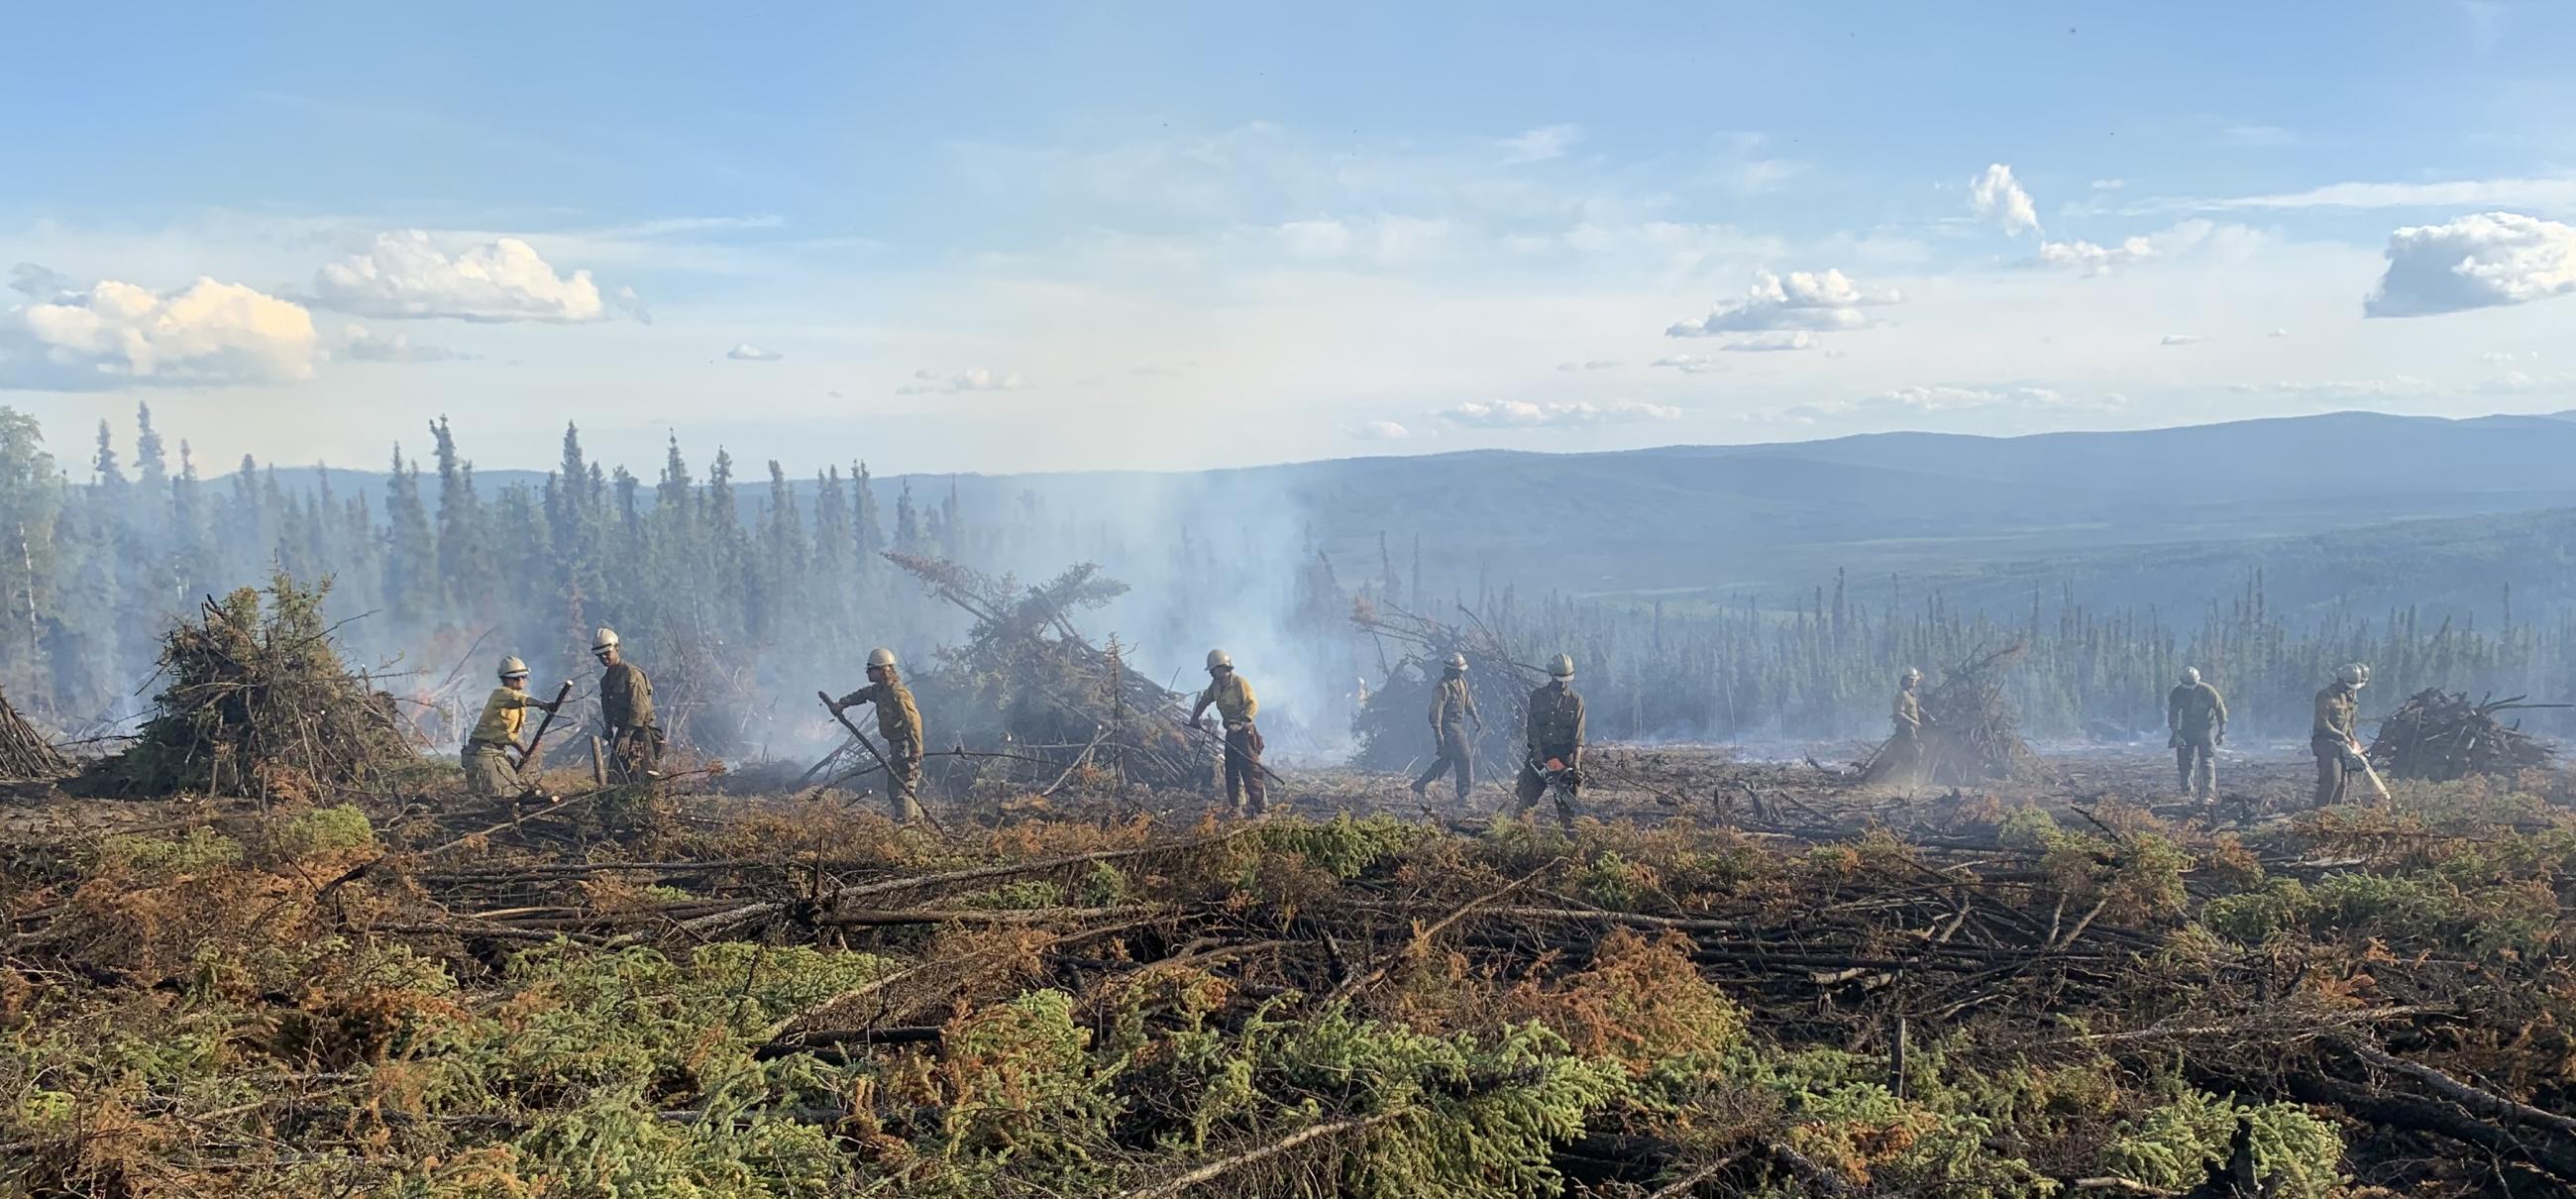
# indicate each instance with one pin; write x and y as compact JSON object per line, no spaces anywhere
{"x":996,"y":237}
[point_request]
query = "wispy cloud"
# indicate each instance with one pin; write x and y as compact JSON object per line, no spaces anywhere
{"x":366,"y":345}
{"x":1542,"y":143}
{"x":1520,"y":414}
{"x":974,"y":378}
{"x":2543,"y":192}
{"x":2256,"y":135}
{"x":747,"y":352}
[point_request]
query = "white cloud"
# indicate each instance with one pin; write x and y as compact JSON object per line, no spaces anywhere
{"x":2280,"y":333}
{"x":2091,"y":259}
{"x":1597,"y":364}
{"x":1760,"y":343}
{"x":2109,"y":185}
{"x":2485,"y":260}
{"x":973,"y":378}
{"x":366,"y":345}
{"x":1687,"y":364}
{"x":1998,"y":197}
{"x":1380,"y":430}
{"x":747,"y":352}
{"x":407,"y":274}
{"x":1520,"y":414}
{"x":117,"y":334}
{"x":2178,"y":339}
{"x":2509,"y":357}
{"x":1822,"y":301}
{"x":1541,"y":144}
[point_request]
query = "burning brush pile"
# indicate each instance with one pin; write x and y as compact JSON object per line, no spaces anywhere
{"x":1025,"y":679}
{"x":1394,"y":728}
{"x":1969,"y":734}
{"x":2443,"y":735}
{"x":257,"y":702}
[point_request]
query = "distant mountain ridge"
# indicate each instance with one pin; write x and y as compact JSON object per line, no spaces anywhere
{"x":1776,"y":519}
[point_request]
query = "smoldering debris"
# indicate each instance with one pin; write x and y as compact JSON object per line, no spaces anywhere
{"x":1026,"y":683}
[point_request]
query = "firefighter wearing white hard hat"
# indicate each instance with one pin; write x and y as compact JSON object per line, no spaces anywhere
{"x":1235,"y":707}
{"x":1554,"y":756}
{"x":899,"y":722}
{"x":1453,"y":711}
{"x":491,"y":752}
{"x":628,"y":732}
{"x":2196,"y":716}
{"x":2335,"y":738}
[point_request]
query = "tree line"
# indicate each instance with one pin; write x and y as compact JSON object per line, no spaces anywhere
{"x":742,"y":595}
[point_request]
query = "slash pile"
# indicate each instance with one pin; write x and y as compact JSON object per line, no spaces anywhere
{"x":1969,"y":734}
{"x":2443,"y":735}
{"x":1026,"y":680}
{"x":1393,"y":727}
{"x":24,"y":752}
{"x":255,"y":701}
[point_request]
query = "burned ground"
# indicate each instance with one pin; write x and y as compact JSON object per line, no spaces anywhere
{"x":1728,"y":978}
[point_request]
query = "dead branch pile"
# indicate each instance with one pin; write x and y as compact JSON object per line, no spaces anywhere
{"x":1025,"y":680}
{"x":2443,"y":735}
{"x":797,"y":1004}
{"x":1969,"y":733}
{"x":24,"y":752}
{"x":257,"y":702}
{"x":1394,"y":727}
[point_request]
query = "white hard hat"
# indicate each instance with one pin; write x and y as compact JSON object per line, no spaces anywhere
{"x":603,"y":639}
{"x":2354,"y":674}
{"x":1913,"y":674}
{"x":1218,"y":657}
{"x":512,"y":668}
{"x":2190,"y":675}
{"x":1561,"y":666}
{"x":1457,"y":661}
{"x":880,"y":656}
